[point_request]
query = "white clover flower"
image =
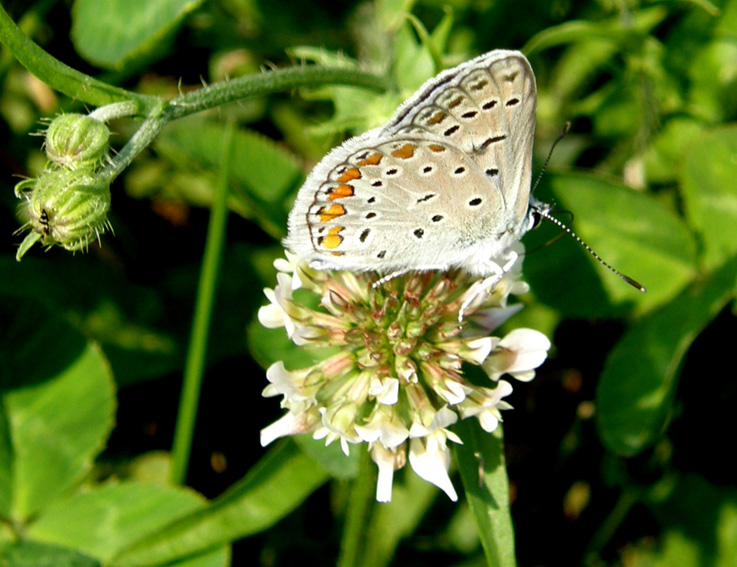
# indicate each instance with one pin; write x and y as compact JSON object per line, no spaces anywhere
{"x":397,"y":382}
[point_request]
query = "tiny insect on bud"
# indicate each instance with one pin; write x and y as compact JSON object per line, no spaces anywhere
{"x":75,"y":141}
{"x":66,"y":208}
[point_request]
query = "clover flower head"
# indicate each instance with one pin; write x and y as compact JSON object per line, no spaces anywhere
{"x":395,"y":377}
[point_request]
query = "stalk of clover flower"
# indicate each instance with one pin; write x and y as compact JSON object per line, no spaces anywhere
{"x":397,"y":381}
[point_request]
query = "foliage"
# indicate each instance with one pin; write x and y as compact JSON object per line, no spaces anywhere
{"x":616,"y":453}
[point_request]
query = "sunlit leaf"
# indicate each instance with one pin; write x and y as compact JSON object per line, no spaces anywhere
{"x":58,"y":402}
{"x":115,"y":32}
{"x":710,"y":192}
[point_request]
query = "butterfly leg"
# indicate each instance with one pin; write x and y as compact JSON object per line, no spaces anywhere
{"x":480,"y":289}
{"x":382,"y":280}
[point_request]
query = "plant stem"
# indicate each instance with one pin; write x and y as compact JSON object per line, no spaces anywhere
{"x":195,"y":363}
{"x":258,"y":84}
{"x":355,"y":539}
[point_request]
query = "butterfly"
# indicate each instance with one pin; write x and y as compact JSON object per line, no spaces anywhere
{"x":443,"y":184}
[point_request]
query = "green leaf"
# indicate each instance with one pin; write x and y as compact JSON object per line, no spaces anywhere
{"x":61,"y":77}
{"x":710,"y":192}
{"x":331,"y":458}
{"x":700,"y":521}
{"x":630,"y":231}
{"x":103,"y":522}
{"x":711,"y":96}
{"x":413,"y":62}
{"x":32,"y":554}
{"x":262,"y":173}
{"x":484,"y":474}
{"x":639,"y":381}
{"x":121,"y":316}
{"x":665,"y":154}
{"x":57,"y":404}
{"x":272,"y":489}
{"x":113,"y":33}
{"x":612,"y":29}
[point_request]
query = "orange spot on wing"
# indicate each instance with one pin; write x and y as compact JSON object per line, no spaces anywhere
{"x":436,"y":148}
{"x":349,"y":175}
{"x":437,"y":119}
{"x":330,"y":213}
{"x":405,"y":152}
{"x":373,"y":159}
{"x":340,"y":192}
{"x":333,"y":239}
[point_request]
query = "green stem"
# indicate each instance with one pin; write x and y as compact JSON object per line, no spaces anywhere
{"x":484,"y":476}
{"x":355,"y":539}
{"x":57,"y":75}
{"x":209,"y":97}
{"x":195,"y":364}
{"x":146,"y":134}
{"x":258,"y":84}
{"x":609,"y":526}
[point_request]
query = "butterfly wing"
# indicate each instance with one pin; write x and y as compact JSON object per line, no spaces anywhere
{"x":445,"y":178}
{"x":487,"y":108}
{"x":393,"y":206}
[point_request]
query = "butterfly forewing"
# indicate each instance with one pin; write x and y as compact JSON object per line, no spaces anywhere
{"x":446,"y":178}
{"x":486,"y":107}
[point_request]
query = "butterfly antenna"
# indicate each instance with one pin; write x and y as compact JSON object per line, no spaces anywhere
{"x":562,"y":135}
{"x":559,"y":224}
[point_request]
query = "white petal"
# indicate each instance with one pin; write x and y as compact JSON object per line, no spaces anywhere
{"x":489,"y":422}
{"x":288,"y":424}
{"x":385,"y":462}
{"x":454,"y":392}
{"x":526,"y":340}
{"x":289,"y":384}
{"x":480,"y":349}
{"x":431,"y":464}
{"x":385,"y":391}
{"x":524,"y":376}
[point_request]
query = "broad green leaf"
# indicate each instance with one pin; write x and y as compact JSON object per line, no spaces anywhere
{"x":413,"y":63}
{"x":262,"y":173}
{"x":57,"y":401}
{"x":700,"y":521}
{"x":59,"y":76}
{"x":331,"y":458}
{"x":121,"y":316}
{"x":272,"y":489}
{"x":711,"y":96}
{"x":484,"y":474}
{"x":639,"y":381}
{"x":710,"y":192}
{"x":103,"y":522}
{"x":665,"y":154}
{"x":32,"y":554}
{"x":112,"y":33}
{"x":630,"y":231}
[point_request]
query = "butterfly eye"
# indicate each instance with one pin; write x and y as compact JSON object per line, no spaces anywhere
{"x":536,"y":217}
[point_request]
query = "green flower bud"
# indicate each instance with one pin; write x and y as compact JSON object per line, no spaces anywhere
{"x":66,"y":208}
{"x":75,"y":141}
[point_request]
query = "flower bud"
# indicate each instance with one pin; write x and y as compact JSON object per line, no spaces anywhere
{"x":75,"y":141}
{"x":65,"y":207}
